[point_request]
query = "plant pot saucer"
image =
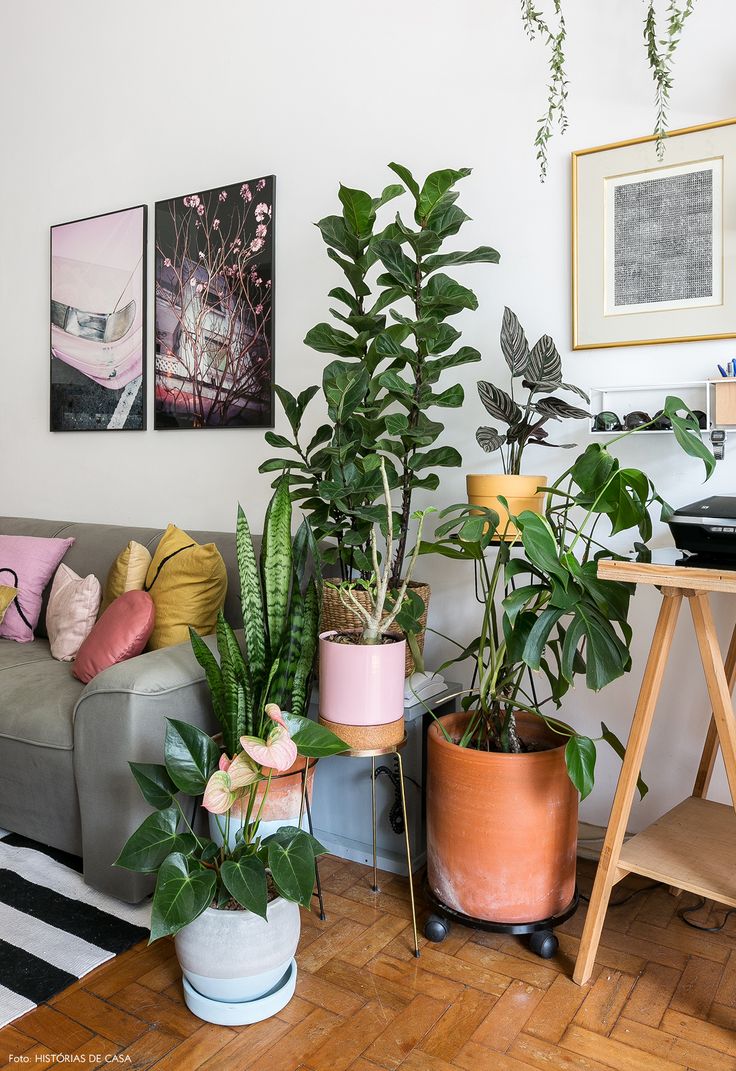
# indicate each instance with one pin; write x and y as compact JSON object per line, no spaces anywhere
{"x":245,"y":1012}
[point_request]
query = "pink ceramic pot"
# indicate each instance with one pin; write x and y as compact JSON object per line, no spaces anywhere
{"x":361,"y":684}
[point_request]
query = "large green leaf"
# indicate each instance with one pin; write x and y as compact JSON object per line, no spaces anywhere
{"x":157,"y":787}
{"x":538,"y":636}
{"x":183,"y":891}
{"x":191,"y":756}
{"x":580,"y":758}
{"x":482,"y":255}
{"x":358,"y":211}
{"x":155,"y":839}
{"x":292,"y":868}
{"x":251,"y":601}
{"x":304,"y":666}
{"x":313,"y":740}
{"x":446,"y":456}
{"x":245,"y":880}
{"x":446,"y":220}
{"x":406,"y":177}
{"x":613,"y":741}
{"x":444,"y":296}
{"x":344,"y":388}
{"x":213,"y":673}
{"x":328,"y":339}
{"x":436,"y":185}
{"x":389,"y":193}
{"x":687,"y":433}
{"x":276,"y":565}
{"x":514,"y":345}
{"x":336,"y":234}
{"x":606,"y":657}
{"x":540,"y":545}
{"x":396,"y":262}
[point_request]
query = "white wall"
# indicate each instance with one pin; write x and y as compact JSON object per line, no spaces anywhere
{"x":106,"y":107}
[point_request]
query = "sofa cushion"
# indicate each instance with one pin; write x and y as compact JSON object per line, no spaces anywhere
{"x":121,"y":633}
{"x":37,"y":695}
{"x":72,"y":611}
{"x":7,"y":595}
{"x":187,"y":583}
{"x":28,"y":563}
{"x":127,"y":572}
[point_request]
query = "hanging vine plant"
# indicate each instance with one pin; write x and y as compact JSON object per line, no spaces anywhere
{"x":661,"y":46}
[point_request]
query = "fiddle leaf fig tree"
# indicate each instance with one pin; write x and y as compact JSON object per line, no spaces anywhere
{"x":391,"y":345}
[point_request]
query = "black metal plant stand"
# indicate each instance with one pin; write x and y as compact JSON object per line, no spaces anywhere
{"x":542,"y":940}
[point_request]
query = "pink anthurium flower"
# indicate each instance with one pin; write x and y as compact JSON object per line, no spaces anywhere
{"x":278,"y":751}
{"x":243,"y":771}
{"x":218,"y":795}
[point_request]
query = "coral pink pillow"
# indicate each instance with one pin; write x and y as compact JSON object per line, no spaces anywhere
{"x":121,"y":632}
{"x":71,"y":612}
{"x":27,"y":563}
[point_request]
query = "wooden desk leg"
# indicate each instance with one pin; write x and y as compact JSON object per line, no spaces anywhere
{"x":710,"y":749}
{"x":717,"y":682}
{"x":608,"y":873}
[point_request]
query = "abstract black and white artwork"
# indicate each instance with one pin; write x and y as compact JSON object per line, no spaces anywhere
{"x":665,"y":239}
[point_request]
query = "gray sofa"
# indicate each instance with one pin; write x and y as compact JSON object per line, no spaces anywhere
{"x":64,"y":746}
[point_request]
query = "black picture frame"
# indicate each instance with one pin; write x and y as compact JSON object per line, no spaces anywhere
{"x":214,"y":308}
{"x":79,"y":297}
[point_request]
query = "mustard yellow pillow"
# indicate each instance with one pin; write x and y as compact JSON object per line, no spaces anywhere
{"x":127,"y":573}
{"x":187,"y":583}
{"x":6,"y":597}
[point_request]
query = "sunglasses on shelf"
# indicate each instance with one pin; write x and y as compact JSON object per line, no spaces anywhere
{"x":610,"y":421}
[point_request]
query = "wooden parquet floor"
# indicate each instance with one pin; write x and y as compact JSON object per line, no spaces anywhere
{"x":663,"y":998}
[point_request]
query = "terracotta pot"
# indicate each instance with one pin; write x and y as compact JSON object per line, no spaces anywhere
{"x":282,"y":805}
{"x":501,"y":829}
{"x":361,"y":690}
{"x":519,"y":491}
{"x":336,"y":617}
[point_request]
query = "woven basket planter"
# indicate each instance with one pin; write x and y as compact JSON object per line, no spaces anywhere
{"x":337,"y":617}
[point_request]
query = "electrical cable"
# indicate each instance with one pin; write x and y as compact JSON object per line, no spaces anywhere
{"x":696,"y":925}
{"x":631,"y":895}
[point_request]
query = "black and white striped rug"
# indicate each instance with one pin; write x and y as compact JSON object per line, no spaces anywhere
{"x":53,"y":928}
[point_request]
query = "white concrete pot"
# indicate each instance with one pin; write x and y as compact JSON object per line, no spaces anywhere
{"x":237,"y":956}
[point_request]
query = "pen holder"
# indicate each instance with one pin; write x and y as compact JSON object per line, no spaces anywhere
{"x":724,"y":409}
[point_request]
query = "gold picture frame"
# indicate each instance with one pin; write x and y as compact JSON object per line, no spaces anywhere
{"x":700,"y":164}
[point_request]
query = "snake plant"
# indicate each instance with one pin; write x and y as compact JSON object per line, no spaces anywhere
{"x":280,"y":610}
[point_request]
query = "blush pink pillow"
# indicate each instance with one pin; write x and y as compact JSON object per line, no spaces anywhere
{"x":71,"y":612}
{"x":27,"y":563}
{"x":121,"y":632}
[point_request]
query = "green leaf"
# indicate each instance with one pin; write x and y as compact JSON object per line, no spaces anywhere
{"x":396,"y":262}
{"x":327,"y":339}
{"x":336,"y":234}
{"x":180,"y":896}
{"x":358,"y":211}
{"x":514,"y":345}
{"x":489,"y":439}
{"x":251,"y":601}
{"x":245,"y":880}
{"x":452,"y":398}
{"x":389,"y":193}
{"x":446,"y":456}
{"x":313,"y":740}
{"x":407,"y":178}
{"x":354,"y":273}
{"x":435,"y":187}
{"x":344,"y":388}
{"x":157,"y":787}
{"x":292,"y":868}
{"x":544,"y":361}
{"x":613,"y":741}
{"x":482,"y":255}
{"x":443,"y":296}
{"x":390,"y":381}
{"x":286,"y":834}
{"x":191,"y":756}
{"x":539,"y":635}
{"x":687,"y":433}
{"x":446,"y":220}
{"x":155,"y":839}
{"x":559,"y":409}
{"x":498,"y":403}
{"x":580,"y":759}
{"x":276,"y":565}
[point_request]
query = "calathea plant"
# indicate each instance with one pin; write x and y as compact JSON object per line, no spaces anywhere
{"x":392,"y":345}
{"x":540,"y":370}
{"x":561,"y":620}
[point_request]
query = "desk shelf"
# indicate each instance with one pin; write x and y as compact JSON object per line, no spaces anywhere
{"x":692,"y":847}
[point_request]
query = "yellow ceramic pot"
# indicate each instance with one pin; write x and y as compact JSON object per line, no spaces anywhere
{"x":521,"y":492}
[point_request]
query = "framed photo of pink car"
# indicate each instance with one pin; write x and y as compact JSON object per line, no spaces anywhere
{"x":98,"y":322}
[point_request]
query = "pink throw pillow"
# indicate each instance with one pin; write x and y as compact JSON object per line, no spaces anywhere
{"x":27,"y":563}
{"x":71,"y":612}
{"x":121,"y":632}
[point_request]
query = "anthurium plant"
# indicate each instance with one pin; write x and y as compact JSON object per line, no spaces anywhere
{"x":539,"y":368}
{"x":547,"y":617}
{"x":392,"y":344}
{"x":195,"y":872}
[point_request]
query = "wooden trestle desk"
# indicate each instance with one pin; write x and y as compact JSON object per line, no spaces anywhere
{"x":693,"y":847}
